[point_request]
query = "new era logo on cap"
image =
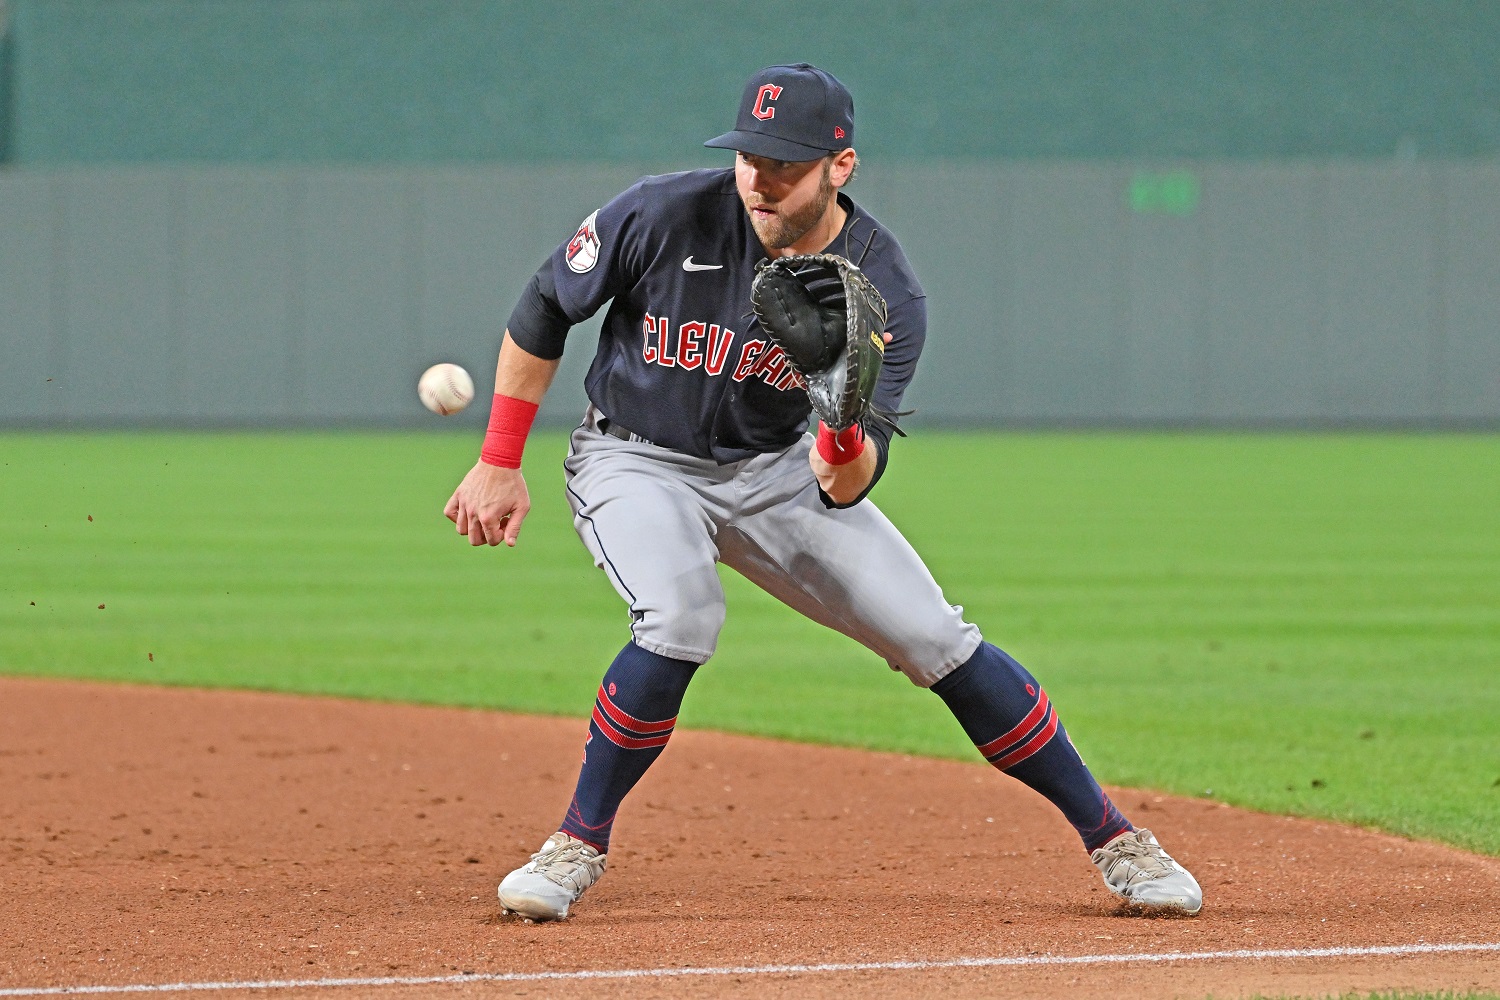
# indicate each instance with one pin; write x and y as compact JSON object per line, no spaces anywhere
{"x":795,"y":113}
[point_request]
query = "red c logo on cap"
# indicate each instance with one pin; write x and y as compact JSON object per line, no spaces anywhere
{"x":767,"y":93}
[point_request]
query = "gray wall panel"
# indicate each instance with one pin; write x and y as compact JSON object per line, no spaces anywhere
{"x":27,"y":296}
{"x":121,"y":341}
{"x":1164,"y":354}
{"x":359,"y":235}
{"x":1290,"y":293}
{"x":1264,"y":291}
{"x":484,"y":232}
{"x":1469,"y":363}
{"x":1063,"y":251}
{"x":237,"y":359}
{"x":1381,"y":259}
{"x":952,"y":223}
{"x":469,"y":259}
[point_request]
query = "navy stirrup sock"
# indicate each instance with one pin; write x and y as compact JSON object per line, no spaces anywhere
{"x":633,"y":718}
{"x":1010,"y":719}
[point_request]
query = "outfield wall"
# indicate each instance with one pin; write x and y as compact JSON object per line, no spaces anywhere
{"x":1059,"y":292}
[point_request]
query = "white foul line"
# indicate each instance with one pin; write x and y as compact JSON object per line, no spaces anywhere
{"x":760,"y":970}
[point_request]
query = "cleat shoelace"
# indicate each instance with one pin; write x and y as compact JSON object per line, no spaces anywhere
{"x":1146,"y":860}
{"x":564,"y":862}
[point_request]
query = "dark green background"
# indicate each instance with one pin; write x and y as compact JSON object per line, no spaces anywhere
{"x":464,"y":80}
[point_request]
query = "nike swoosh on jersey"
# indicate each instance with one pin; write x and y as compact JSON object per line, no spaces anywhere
{"x":688,"y":265}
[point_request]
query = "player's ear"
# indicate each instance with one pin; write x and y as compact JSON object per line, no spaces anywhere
{"x":842,"y":171}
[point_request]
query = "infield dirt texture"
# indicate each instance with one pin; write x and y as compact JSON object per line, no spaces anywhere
{"x":1303,"y":625}
{"x":212,"y":836}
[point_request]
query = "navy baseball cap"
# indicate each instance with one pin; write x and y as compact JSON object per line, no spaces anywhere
{"x":794,"y":113}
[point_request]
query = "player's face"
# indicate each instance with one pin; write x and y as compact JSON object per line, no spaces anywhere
{"x":786,"y":200}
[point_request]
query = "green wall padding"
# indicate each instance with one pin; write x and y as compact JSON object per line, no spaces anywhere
{"x":7,"y":87}
{"x":421,"y":81}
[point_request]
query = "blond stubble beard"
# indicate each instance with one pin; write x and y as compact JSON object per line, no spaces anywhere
{"x":781,"y":231}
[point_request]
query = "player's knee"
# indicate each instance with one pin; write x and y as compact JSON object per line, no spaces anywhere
{"x":687,"y":630}
{"x":927,"y":656}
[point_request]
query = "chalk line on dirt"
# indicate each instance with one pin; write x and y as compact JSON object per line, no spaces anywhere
{"x":761,"y":970}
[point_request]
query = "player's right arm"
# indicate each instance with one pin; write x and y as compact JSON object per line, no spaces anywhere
{"x":588,"y":270}
{"x":491,"y":502}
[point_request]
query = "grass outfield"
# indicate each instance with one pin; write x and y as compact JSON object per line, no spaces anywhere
{"x":1299,"y":624}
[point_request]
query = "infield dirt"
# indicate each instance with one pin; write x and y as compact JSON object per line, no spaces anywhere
{"x":165,"y":835}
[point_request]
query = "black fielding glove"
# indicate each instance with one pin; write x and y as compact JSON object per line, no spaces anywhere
{"x":829,"y":319}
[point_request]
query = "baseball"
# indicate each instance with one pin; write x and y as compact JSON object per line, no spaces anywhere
{"x":445,"y":389}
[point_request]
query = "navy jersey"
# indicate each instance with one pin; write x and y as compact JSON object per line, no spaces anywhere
{"x":682,"y":360}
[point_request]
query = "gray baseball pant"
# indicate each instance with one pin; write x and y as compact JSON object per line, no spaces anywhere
{"x":657,"y":520}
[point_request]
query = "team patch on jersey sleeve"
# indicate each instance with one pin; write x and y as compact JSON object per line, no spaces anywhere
{"x":583,"y":248}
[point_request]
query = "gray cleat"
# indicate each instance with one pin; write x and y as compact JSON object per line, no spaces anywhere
{"x":1136,"y":869}
{"x":553,"y":880}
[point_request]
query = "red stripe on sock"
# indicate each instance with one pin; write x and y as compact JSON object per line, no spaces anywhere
{"x":1032,"y":745}
{"x":1003,"y":743}
{"x":619,"y":739}
{"x":1124,"y":826}
{"x":601,"y":848}
{"x":625,"y":719}
{"x":576,"y":818}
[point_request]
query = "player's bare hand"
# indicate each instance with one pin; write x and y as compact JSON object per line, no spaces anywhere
{"x":489,"y":505}
{"x":822,"y":471}
{"x":844,"y":482}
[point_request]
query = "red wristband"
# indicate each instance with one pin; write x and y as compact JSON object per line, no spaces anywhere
{"x":841,"y":448}
{"x":510,"y":422}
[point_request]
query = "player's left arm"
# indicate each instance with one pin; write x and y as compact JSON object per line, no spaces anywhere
{"x":845,"y":485}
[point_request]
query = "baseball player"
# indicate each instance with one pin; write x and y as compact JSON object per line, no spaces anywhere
{"x":696,"y":449}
